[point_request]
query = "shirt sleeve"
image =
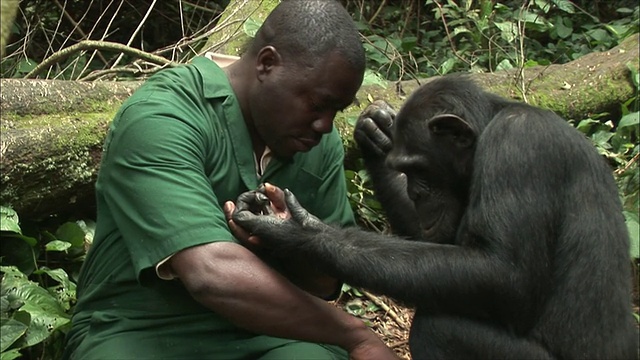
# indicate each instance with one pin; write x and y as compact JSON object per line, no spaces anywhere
{"x":155,"y":185}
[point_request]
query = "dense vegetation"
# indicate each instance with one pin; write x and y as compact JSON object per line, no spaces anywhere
{"x":404,"y":39}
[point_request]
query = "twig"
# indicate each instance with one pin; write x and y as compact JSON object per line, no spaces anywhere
{"x":446,"y":29}
{"x":397,"y":344}
{"x":144,"y":20}
{"x":626,"y":167}
{"x":521,"y":34}
{"x":100,"y":45}
{"x":101,"y":73}
{"x":375,"y":15}
{"x":104,"y":34}
{"x":76,"y":26}
{"x":376,"y":300}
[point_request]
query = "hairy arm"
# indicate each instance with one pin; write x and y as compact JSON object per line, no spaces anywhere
{"x":432,"y":275}
{"x":373,"y":135}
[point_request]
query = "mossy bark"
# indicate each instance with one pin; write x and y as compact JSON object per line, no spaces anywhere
{"x":8,"y":10}
{"x":52,"y":131}
{"x":231,"y":38}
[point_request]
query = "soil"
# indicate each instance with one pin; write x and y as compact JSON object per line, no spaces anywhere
{"x":389,"y":319}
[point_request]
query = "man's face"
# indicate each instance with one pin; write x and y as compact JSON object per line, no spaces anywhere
{"x":293,"y":106}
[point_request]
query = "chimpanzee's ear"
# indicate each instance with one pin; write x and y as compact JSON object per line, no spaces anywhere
{"x":454,"y":128}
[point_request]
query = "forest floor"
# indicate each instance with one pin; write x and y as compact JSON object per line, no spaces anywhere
{"x":389,"y":319}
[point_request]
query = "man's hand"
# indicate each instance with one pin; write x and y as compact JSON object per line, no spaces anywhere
{"x":373,"y":129}
{"x":372,"y":348}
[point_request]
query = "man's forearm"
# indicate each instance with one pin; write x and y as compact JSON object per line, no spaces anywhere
{"x":236,"y":284}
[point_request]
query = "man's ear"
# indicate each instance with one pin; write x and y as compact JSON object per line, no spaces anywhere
{"x":453,"y":128}
{"x":268,"y":58}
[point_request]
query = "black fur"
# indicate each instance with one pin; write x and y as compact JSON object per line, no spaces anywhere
{"x":520,"y":248}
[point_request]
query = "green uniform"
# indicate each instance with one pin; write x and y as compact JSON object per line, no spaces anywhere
{"x":176,"y":151}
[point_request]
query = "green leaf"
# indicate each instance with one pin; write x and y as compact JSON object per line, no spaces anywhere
{"x":565,"y":5}
{"x":10,"y":331}
{"x":65,"y":286}
{"x":631,"y":119}
{"x":531,"y":63}
{"x":562,"y":30}
{"x":543,"y":5}
{"x":71,"y":232}
{"x":57,"y":245}
{"x":251,"y":26}
{"x":585,"y":125}
{"x":447,"y":66}
{"x":372,"y":77}
{"x":43,"y":323}
{"x":9,"y":220}
{"x":624,"y":10}
{"x":25,"y":66}
{"x":17,"y":252}
{"x":508,"y":30}
{"x":635,"y":75}
{"x":89,"y":229}
{"x":602,"y":138}
{"x":599,"y":35}
{"x":45,"y":311}
{"x":10,"y":355}
{"x":504,"y":65}
{"x":634,"y":234}
{"x":29,"y":292}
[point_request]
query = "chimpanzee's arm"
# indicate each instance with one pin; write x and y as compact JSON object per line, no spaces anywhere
{"x":410,"y":271}
{"x":373,"y":135}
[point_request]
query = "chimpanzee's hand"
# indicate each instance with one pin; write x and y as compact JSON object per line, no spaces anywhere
{"x":278,"y":222}
{"x":267,"y":199}
{"x":274,"y":230}
{"x":373,"y":129}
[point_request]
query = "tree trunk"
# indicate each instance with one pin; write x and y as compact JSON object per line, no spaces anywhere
{"x":230,"y":37}
{"x":52,"y":130}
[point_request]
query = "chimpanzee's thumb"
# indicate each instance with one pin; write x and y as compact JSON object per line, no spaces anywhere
{"x":298,"y":213}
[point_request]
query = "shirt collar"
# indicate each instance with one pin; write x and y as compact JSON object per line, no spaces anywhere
{"x":215,"y":83}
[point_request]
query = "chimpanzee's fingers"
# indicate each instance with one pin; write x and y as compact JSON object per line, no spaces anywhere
{"x":253,"y":201}
{"x":246,"y":219}
{"x":368,"y":133}
{"x":381,"y":112}
{"x":263,"y":204}
{"x":298,"y":213}
{"x":246,"y":201}
{"x":383,"y":118}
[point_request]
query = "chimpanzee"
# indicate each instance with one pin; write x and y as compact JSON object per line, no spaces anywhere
{"x":511,"y":242}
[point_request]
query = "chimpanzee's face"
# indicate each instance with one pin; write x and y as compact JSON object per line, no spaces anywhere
{"x":434,"y":150}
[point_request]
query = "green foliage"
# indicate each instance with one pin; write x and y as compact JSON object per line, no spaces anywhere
{"x":36,"y":294}
{"x":402,"y":38}
{"x":367,"y":209}
{"x":452,"y":36}
{"x":619,"y":144}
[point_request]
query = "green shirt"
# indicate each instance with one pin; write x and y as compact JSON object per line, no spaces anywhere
{"x":176,"y":151}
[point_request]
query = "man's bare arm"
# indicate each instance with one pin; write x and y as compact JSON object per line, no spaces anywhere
{"x":232,"y":281}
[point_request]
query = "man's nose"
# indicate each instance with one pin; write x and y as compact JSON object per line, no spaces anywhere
{"x":324,"y":124}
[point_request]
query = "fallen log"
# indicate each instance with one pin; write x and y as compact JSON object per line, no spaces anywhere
{"x":51,"y":131}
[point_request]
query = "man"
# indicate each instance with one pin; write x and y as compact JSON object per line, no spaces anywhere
{"x":165,"y":278}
